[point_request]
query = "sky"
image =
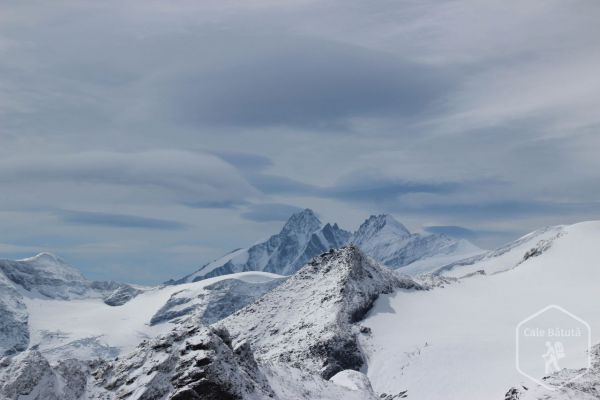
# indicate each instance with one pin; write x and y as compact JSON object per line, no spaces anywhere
{"x":141,"y":139}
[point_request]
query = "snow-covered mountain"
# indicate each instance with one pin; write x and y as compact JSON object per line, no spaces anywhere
{"x":44,"y":277}
{"x":48,"y":305}
{"x":89,"y":328}
{"x":283,"y":346}
{"x":192,"y":361}
{"x":388,"y":241}
{"x":309,"y":320}
{"x":343,"y":326}
{"x":47,"y":275}
{"x":302,"y":237}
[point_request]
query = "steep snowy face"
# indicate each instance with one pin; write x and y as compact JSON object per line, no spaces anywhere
{"x":302,"y":237}
{"x":308,"y":322}
{"x":302,"y":223}
{"x":389,"y":242}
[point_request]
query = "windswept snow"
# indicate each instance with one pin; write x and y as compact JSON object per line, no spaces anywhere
{"x":505,"y":257}
{"x":457,"y":342}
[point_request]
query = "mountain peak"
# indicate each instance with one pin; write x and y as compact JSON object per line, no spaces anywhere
{"x":44,"y":268}
{"x":343,"y":285}
{"x":380,"y":225}
{"x":305,"y":221}
{"x":45,"y":257}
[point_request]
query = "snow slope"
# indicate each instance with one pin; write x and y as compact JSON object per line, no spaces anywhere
{"x":45,"y":277}
{"x":457,"y":341}
{"x":505,"y":257}
{"x":567,"y":384}
{"x":88,"y":328}
{"x":46,"y":303}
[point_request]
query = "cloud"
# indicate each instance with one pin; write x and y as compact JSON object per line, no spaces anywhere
{"x":295,"y":81}
{"x":269,"y":212}
{"x":177,"y":176}
{"x":491,"y":210}
{"x":244,"y":161}
{"x":277,"y":184}
{"x":368,"y":186}
{"x":118,"y":220}
{"x":375,"y":187}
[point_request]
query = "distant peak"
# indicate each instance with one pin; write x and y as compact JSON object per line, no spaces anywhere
{"x":303,"y":221}
{"x":45,"y":257}
{"x":378,"y":222}
{"x":307,"y":212}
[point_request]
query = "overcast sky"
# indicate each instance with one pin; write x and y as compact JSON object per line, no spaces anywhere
{"x":140,"y":139}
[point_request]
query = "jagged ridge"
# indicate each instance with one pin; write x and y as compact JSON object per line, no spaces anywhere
{"x":301,"y":238}
{"x":307,"y":322}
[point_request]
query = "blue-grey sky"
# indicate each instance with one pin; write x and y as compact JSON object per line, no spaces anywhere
{"x":140,"y":139}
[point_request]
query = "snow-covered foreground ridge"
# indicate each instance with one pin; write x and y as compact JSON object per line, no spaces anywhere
{"x":458,"y":341}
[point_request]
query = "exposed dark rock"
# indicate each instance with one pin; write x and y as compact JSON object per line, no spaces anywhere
{"x":121,"y":295}
{"x":307,"y":322}
{"x":190,"y":362}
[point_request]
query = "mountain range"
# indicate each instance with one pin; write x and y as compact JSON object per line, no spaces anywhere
{"x":304,"y":236}
{"x":343,"y":326}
